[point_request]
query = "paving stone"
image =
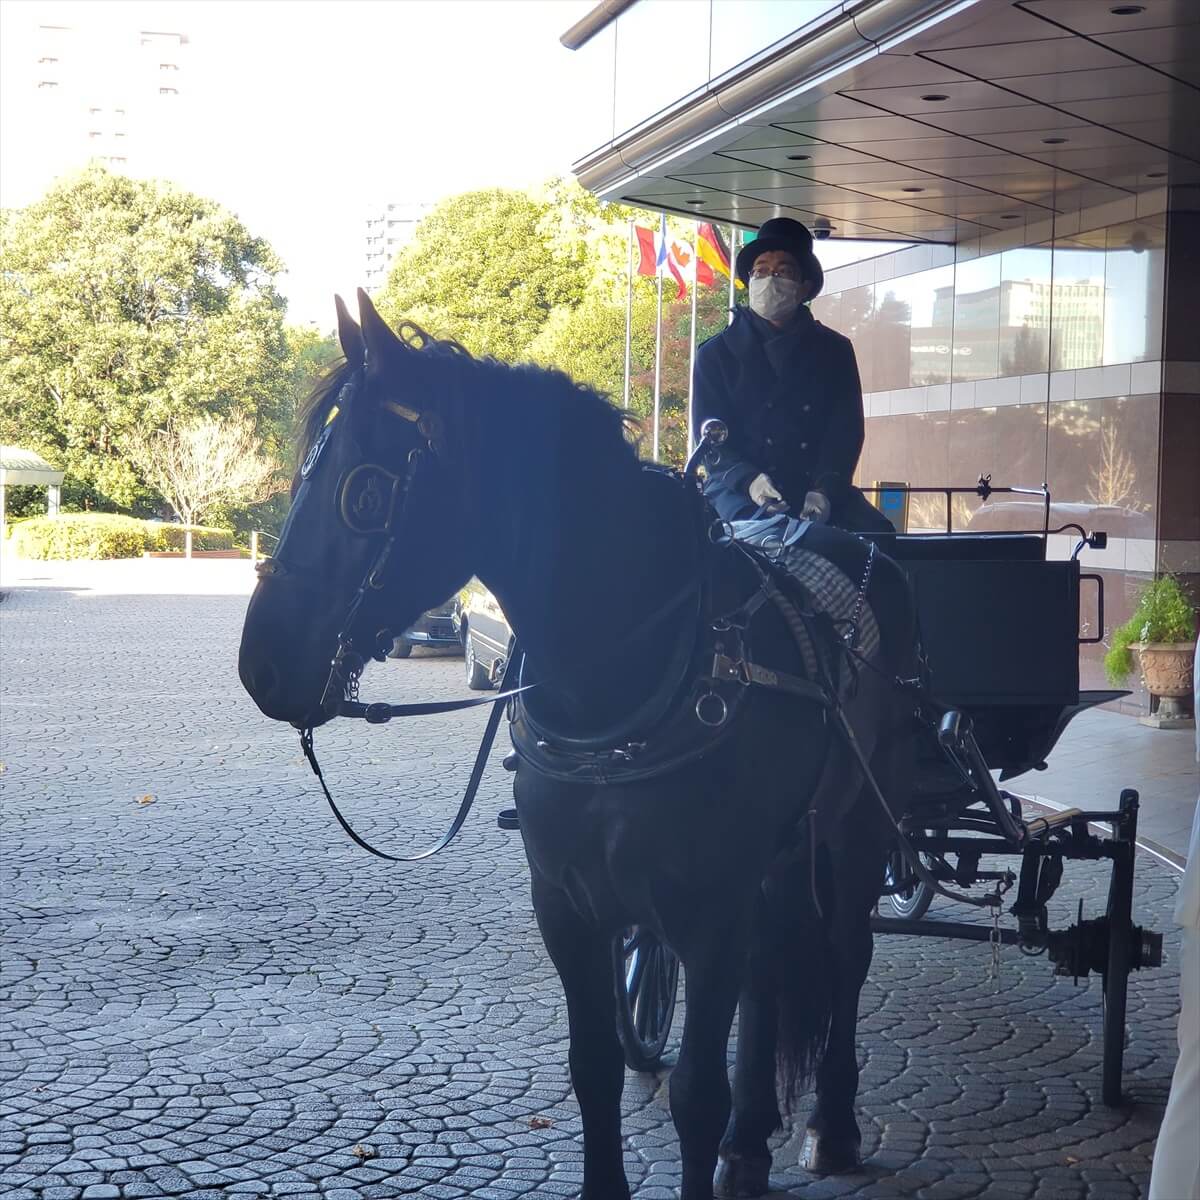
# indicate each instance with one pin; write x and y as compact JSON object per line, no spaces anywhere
{"x":217,"y":994}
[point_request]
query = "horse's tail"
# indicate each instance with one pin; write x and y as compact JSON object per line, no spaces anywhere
{"x":803,"y":966}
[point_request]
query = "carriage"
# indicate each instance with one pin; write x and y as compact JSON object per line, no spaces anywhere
{"x":999,"y":704}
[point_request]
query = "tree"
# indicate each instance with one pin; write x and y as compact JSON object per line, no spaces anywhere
{"x":201,"y":464}
{"x":126,"y":305}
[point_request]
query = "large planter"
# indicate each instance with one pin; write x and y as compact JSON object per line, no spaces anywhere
{"x":1167,"y":672}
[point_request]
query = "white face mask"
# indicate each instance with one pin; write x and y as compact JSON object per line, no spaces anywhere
{"x":773,"y":297}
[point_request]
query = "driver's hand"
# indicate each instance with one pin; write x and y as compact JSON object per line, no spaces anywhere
{"x":766,"y":495}
{"x":816,"y":507}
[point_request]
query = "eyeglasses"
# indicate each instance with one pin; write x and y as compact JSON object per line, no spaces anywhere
{"x":778,"y":273}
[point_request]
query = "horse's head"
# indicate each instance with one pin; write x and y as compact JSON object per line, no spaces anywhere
{"x":376,"y":532}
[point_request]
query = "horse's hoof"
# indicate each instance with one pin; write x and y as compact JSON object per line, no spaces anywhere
{"x":738,"y":1177}
{"x":825,"y":1155}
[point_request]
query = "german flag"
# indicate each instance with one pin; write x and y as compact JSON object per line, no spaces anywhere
{"x":712,"y":253}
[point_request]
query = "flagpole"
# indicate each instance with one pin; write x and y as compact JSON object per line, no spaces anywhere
{"x":629,"y":315}
{"x":732,"y":277}
{"x":692,"y":355}
{"x":658,"y":339}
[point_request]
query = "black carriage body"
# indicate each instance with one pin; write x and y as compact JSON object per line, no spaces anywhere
{"x":999,"y":627}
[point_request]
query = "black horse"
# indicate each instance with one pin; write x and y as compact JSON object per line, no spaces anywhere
{"x":757,"y":859}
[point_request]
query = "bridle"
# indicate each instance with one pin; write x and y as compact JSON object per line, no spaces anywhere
{"x":372,"y":501}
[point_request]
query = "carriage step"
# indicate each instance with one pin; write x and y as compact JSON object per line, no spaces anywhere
{"x":507,"y":818}
{"x":1040,"y":826}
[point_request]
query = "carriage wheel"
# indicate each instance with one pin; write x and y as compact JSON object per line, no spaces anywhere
{"x":647,"y":976}
{"x":915,"y":896}
{"x":1120,"y":949}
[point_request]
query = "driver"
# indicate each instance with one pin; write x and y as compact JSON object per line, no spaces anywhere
{"x":788,"y":389}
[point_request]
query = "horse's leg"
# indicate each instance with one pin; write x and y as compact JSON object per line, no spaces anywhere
{"x":858,"y":853}
{"x":583,"y":958}
{"x":700,"y":1080}
{"x":745,"y":1163}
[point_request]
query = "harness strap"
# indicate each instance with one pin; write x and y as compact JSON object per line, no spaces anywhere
{"x":481,"y":757}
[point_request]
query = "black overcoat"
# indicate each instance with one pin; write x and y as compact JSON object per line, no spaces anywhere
{"x":793,"y":403}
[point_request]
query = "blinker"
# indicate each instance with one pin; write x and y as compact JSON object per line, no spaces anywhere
{"x":314,"y":452}
{"x":368,"y":498}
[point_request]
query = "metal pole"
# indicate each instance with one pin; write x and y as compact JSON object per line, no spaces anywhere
{"x":692,"y":355}
{"x":253,"y":546}
{"x":732,"y":256}
{"x":629,"y":316}
{"x":658,"y":345}
{"x":187,"y":543}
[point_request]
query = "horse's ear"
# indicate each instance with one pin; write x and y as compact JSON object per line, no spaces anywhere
{"x":349,"y":334}
{"x":377,"y":334}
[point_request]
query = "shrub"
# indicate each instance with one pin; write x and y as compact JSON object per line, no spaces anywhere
{"x":161,"y":536}
{"x":1163,"y":614}
{"x":108,"y":535}
{"x":80,"y":535}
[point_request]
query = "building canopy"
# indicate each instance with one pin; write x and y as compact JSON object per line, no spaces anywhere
{"x":24,"y":466}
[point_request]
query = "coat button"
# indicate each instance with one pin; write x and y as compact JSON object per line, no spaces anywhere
{"x":804,"y":408}
{"x":803,"y":445}
{"x":770,"y":441}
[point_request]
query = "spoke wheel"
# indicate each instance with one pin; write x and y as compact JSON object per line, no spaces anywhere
{"x":647,"y":978}
{"x":915,"y":896}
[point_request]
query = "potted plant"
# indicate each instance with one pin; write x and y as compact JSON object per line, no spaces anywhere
{"x":1162,"y":631}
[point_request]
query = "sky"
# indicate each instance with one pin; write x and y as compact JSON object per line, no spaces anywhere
{"x":302,"y":115}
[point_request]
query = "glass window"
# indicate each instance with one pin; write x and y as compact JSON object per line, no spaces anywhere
{"x":1133,"y":292}
{"x":891,"y":335}
{"x":741,"y":30}
{"x":976,"y":319}
{"x":1077,"y":307}
{"x":929,"y":297}
{"x":1025,"y":311}
{"x":662,"y":56}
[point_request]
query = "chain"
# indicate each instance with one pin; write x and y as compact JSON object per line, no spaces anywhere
{"x":851,"y":635}
{"x":1002,"y":886}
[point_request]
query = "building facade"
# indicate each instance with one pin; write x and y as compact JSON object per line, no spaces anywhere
{"x":389,"y":229}
{"x":1043,"y":158}
{"x":107,"y":93}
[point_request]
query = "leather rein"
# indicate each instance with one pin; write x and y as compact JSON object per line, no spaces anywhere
{"x":372,"y":501}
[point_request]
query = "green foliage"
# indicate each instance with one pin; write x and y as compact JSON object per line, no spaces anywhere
{"x":107,"y":535}
{"x":125,"y":303}
{"x":1163,"y":614}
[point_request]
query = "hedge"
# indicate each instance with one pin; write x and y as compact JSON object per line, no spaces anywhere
{"x":107,"y":535}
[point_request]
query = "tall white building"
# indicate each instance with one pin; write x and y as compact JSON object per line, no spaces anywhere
{"x":101,"y":91}
{"x":388,"y":230}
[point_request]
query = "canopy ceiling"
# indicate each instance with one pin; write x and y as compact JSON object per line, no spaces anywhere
{"x":989,"y":114}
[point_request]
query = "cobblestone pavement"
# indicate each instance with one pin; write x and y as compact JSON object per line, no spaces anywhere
{"x":213,"y":993}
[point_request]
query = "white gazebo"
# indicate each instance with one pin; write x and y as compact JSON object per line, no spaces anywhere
{"x":24,"y":466}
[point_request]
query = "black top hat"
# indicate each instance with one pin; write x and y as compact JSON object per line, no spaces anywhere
{"x":782,"y":233}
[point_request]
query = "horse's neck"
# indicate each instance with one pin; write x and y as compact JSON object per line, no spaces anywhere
{"x":588,"y":553}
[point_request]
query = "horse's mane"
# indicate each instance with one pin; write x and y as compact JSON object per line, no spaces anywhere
{"x":535,"y":394}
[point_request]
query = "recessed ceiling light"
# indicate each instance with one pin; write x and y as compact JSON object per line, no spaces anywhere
{"x":1127,"y":10}
{"x":799,"y":157}
{"x":1010,"y":216}
{"x":695,"y":202}
{"x":912,"y":189}
{"x":1055,"y":141}
{"x":1156,"y":174}
{"x":934,"y":96}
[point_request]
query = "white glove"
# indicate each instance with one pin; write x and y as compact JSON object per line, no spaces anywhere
{"x":764,"y":493}
{"x":816,"y":507}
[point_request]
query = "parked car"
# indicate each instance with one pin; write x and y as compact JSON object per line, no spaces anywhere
{"x":434,"y":628}
{"x":485,"y":634}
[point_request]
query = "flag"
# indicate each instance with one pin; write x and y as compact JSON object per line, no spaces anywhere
{"x":712,"y":253}
{"x":652,"y":251}
{"x":679,"y":263}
